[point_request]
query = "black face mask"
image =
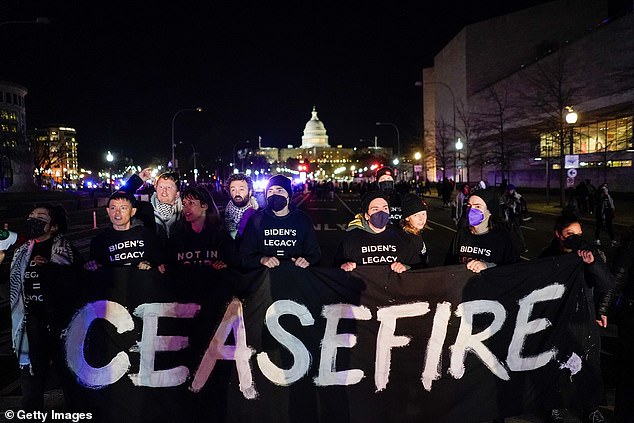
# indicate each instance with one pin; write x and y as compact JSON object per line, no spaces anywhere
{"x":276,"y":202}
{"x":386,"y":186}
{"x":35,"y":228}
{"x":573,"y":242}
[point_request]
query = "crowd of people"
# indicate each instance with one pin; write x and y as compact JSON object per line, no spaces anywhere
{"x":178,"y":228}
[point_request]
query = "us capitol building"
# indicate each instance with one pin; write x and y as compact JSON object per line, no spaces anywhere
{"x":323,"y":160}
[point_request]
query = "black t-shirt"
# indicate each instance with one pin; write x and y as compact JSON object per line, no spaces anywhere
{"x":415,"y":254}
{"x":35,"y":281}
{"x":286,"y":237}
{"x":363,"y":247}
{"x":188,"y":248}
{"x":495,"y":246}
{"x":114,"y":248}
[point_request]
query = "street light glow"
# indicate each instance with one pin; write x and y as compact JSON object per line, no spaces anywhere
{"x":417,"y":156}
{"x":571,"y":116}
{"x":459,"y":144}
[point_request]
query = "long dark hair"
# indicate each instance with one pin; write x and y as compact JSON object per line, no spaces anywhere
{"x":212,"y":217}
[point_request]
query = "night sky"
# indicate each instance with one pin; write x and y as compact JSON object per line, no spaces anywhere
{"x":118,"y":71}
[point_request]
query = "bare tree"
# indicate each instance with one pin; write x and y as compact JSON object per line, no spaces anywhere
{"x":500,"y":146}
{"x":470,"y":130}
{"x":443,"y":145}
{"x":551,"y":88}
{"x":49,"y":154}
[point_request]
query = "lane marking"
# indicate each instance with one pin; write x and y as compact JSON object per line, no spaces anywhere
{"x":345,"y":205}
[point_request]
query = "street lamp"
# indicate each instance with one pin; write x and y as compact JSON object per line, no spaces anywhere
{"x":398,"y":136}
{"x":459,"y":146}
{"x":398,"y":142}
{"x":571,"y":119}
{"x":453,"y":100}
{"x":417,"y":157}
{"x":109,"y":159}
{"x":197,"y":109}
{"x":195,"y":170}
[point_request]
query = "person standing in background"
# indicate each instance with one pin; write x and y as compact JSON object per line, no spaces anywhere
{"x":604,"y":215}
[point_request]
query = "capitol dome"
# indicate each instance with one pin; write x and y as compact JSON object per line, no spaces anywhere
{"x":314,"y":133}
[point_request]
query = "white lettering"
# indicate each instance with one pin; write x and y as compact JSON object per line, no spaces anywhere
{"x":525,"y":327}
{"x":433,"y":355}
{"x":301,"y":356}
{"x":151,"y":343}
{"x":87,"y":375}
{"x":466,"y":341}
{"x":332,"y":340}
{"x":232,"y":321}
{"x":386,"y":340}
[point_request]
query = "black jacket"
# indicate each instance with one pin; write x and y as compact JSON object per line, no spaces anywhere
{"x":597,"y":276}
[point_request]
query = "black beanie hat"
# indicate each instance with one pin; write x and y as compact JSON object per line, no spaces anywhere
{"x":412,"y":204}
{"x":281,"y":181}
{"x":384,"y":171}
{"x":490,"y":198}
{"x":369,"y":196}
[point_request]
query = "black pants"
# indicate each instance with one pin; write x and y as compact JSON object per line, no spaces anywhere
{"x":607,"y":223}
{"x":43,"y":350}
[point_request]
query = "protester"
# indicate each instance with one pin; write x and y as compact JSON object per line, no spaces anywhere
{"x":604,"y":215}
{"x":369,"y":239}
{"x":512,"y":203}
{"x":385,"y":183}
{"x":413,"y":222}
{"x":241,"y":205}
{"x":460,"y":205}
{"x":35,"y":286}
{"x":125,"y":243}
{"x":167,"y":207}
{"x":279,"y":232}
{"x":485,"y":242}
{"x":203,"y":240}
{"x":624,"y":309}
{"x":600,"y":287}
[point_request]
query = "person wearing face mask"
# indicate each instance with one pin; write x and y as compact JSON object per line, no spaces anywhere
{"x":485,"y":242}
{"x":35,"y":291}
{"x":280,"y":232}
{"x":412,"y":225}
{"x":370,"y":239}
{"x":568,"y":239}
{"x":385,"y":183}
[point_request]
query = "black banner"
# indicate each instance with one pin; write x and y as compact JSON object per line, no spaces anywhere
{"x":302,"y":345}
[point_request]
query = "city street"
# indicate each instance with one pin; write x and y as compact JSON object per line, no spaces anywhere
{"x":330,"y":217}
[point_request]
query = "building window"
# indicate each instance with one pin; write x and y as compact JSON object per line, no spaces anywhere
{"x":597,"y":137}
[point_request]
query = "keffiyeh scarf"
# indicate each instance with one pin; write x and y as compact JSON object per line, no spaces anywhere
{"x":61,"y":253}
{"x":233,"y":215}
